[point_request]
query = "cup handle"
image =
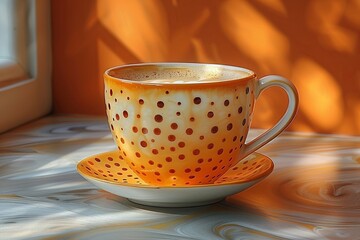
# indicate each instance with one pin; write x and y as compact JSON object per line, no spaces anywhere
{"x":262,"y":84}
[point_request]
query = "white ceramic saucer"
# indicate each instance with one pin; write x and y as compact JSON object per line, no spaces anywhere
{"x":108,"y":172}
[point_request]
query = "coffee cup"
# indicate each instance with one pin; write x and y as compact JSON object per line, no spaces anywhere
{"x":178,"y":124}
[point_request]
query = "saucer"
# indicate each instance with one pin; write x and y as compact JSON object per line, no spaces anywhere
{"x":116,"y":177}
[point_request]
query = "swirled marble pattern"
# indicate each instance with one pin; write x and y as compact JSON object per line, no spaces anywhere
{"x":313,"y":193}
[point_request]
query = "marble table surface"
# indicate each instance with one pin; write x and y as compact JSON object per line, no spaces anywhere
{"x":313,"y":192}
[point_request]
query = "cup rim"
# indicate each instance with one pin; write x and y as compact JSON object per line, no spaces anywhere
{"x":251,"y":74}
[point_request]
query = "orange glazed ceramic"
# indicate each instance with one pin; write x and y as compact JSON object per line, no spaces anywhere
{"x":186,"y":123}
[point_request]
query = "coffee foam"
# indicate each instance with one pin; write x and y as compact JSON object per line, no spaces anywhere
{"x":178,"y":75}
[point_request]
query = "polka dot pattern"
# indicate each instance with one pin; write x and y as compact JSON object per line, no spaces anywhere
{"x":112,"y":168}
{"x":179,"y":129}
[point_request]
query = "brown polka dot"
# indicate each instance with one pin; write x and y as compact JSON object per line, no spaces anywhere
{"x":229,"y":126}
{"x":196,"y":152}
{"x":115,"y":99}
{"x":210,"y":114}
{"x":242,"y":137}
{"x":220,"y":151}
{"x":172,"y":171}
{"x":117,"y":116}
{"x":200,"y":160}
{"x":142,"y":166}
{"x":181,"y":144}
{"x":212,"y":103}
{"x":155,"y":151}
{"x":122,"y":140}
{"x":210,"y":160}
{"x":158,"y":118}
{"x":90,"y":162}
{"x":174,"y":126}
{"x":151,"y":162}
{"x":192,"y":119}
{"x":234,"y":138}
{"x":138,"y":115}
{"x":137,"y":154}
{"x":111,"y":92}
{"x":141,"y":101}
{"x":144,"y":130}
{"x":214,"y":168}
{"x":173,"y":149}
{"x":187,"y":170}
{"x":157,"y":173}
{"x":210,"y":146}
{"x":128,"y":98}
{"x":240,"y":109}
{"x":160,"y":104}
{"x":124,"y":169}
{"x":157,"y":131}
{"x":197,"y":169}
{"x":125,"y":114}
{"x":189,"y":131}
{"x":247,"y":90}
{"x":244,"y":121}
{"x":159,"y":165}
{"x":135,"y":129}
{"x":181,"y":156}
{"x":178,"y":113}
{"x":226,"y":103}
{"x":117,"y":164}
{"x":201,"y":137}
{"x":214,"y":129}
{"x":109,"y":106}
{"x":171,"y":138}
{"x":191,"y":177}
{"x":166,"y":92}
{"x":197,"y":100}
{"x":168,"y":159}
{"x":112,"y":127}
{"x":179,"y":103}
{"x":143,"y":144}
{"x":107,"y":165}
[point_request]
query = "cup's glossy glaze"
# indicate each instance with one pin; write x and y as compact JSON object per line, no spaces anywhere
{"x":186,"y":133}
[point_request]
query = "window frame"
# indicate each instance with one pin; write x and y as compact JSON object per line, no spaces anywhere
{"x":25,"y":69}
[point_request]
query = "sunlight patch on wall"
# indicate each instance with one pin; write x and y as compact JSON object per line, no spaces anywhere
{"x":139,"y":25}
{"x":275,"y":5}
{"x":183,"y":39}
{"x":254,"y":35}
{"x":321,"y":98}
{"x":325,"y":18}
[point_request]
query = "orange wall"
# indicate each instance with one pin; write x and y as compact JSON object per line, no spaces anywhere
{"x":315,"y":43}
